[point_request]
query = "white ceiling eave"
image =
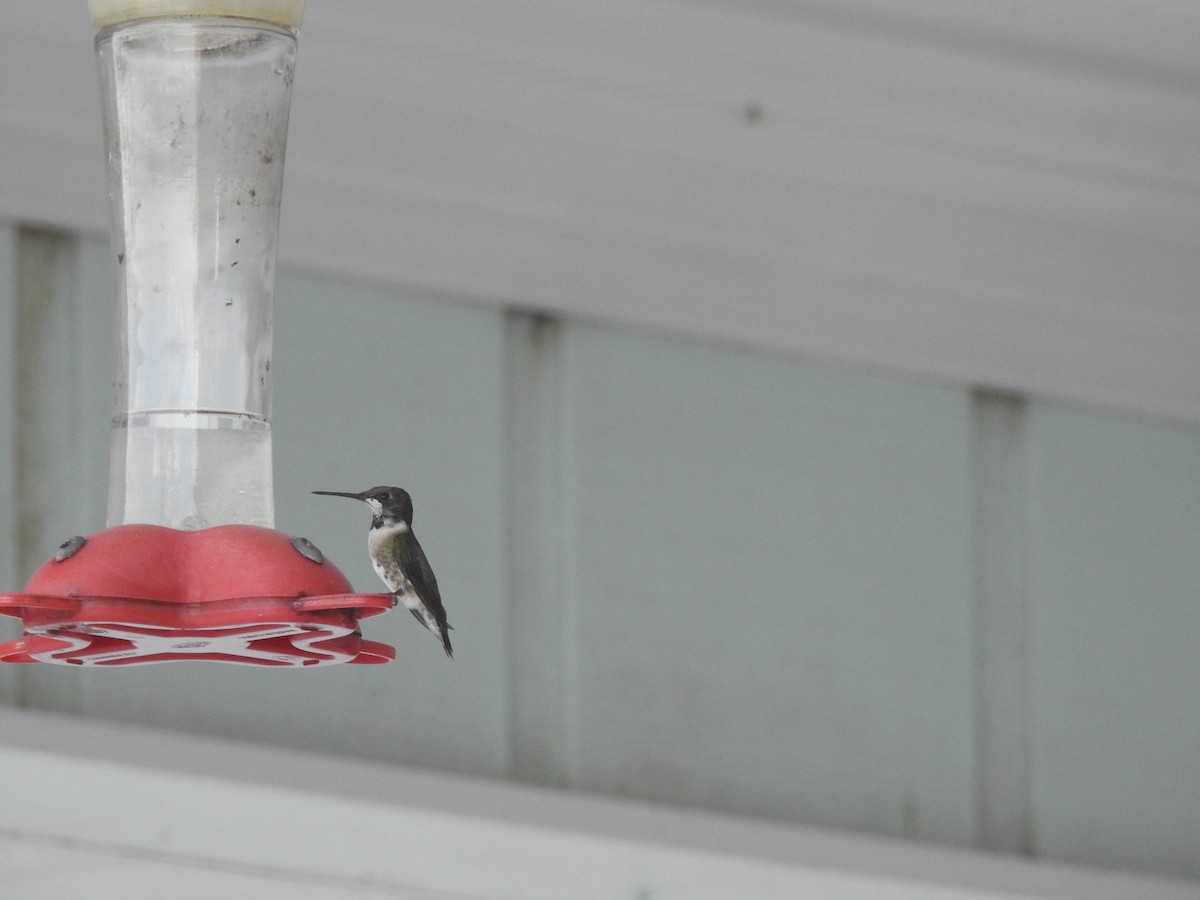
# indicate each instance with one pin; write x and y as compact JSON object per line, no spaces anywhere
{"x":1002,"y":194}
{"x":90,"y":805}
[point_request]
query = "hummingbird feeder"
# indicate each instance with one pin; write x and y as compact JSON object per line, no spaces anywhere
{"x":195,"y":99}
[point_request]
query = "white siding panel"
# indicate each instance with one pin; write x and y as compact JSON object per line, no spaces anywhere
{"x":540,"y":661}
{"x":772,"y":587}
{"x":1116,"y":674}
{"x":999,"y":532}
{"x":63,"y":362}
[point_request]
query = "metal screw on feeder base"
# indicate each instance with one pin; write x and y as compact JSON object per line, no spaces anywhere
{"x":69,"y":548}
{"x":308,"y":550}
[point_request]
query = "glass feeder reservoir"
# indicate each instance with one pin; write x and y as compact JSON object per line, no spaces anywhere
{"x":195,"y":101}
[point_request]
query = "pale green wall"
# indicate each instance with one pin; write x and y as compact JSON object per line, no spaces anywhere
{"x":679,"y":572}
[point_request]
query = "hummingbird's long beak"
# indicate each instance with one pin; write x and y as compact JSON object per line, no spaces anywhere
{"x":340,"y":494}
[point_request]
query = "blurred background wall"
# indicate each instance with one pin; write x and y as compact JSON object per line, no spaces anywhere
{"x":800,"y":404}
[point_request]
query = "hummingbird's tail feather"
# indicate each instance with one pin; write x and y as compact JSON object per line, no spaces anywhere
{"x":442,"y":631}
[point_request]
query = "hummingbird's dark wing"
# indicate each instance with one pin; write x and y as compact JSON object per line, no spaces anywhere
{"x":420,"y":575}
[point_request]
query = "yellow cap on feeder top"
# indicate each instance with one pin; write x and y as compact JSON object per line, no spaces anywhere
{"x":285,"y":13}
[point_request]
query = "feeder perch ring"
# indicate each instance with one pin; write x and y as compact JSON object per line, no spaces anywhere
{"x":137,"y":594}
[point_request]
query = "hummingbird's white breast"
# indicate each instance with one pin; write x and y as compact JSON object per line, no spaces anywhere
{"x":383,"y":558}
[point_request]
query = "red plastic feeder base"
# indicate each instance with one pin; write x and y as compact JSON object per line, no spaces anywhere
{"x":139,"y":594}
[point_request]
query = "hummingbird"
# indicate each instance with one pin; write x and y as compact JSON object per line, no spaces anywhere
{"x":398,"y":558}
